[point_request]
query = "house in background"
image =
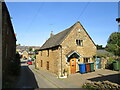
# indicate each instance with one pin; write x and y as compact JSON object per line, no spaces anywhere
{"x":25,"y":52}
{"x":8,"y":42}
{"x":25,"y":55}
{"x":65,"y":50}
{"x":22,"y":48}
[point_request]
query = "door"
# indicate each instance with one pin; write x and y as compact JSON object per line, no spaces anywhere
{"x":73,"y":65}
{"x":98,"y":63}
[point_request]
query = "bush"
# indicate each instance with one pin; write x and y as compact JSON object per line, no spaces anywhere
{"x":101,"y":85}
{"x":15,"y":65}
{"x":109,"y":66}
{"x":111,"y":59}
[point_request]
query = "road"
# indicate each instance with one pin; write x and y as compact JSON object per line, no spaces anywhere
{"x":30,"y":79}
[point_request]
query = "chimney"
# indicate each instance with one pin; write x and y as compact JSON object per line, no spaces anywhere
{"x":51,"y":34}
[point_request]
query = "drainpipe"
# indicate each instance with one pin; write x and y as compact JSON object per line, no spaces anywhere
{"x":61,"y":59}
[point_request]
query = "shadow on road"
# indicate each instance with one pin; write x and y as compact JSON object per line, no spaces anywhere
{"x":115,"y":78}
{"x":26,"y":79}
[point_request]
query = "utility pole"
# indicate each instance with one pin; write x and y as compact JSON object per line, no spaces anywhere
{"x":118,"y":19}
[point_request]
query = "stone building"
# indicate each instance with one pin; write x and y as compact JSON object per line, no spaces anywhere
{"x":62,"y":52}
{"x":8,"y":39}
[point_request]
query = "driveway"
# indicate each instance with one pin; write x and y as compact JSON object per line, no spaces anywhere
{"x":99,"y":75}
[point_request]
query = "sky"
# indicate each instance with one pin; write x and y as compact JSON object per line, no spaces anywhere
{"x":34,"y":21}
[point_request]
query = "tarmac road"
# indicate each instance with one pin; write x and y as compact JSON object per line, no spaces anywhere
{"x":30,"y":79}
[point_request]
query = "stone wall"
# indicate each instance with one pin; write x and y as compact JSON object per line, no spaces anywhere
{"x":69,"y":44}
{"x":53,"y":58}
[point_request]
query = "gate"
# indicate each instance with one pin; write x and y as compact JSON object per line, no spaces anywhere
{"x":98,"y":63}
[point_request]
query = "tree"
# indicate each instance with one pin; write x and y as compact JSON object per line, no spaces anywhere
{"x":18,"y":45}
{"x":99,"y":47}
{"x":36,"y":51}
{"x":113,"y":43}
{"x":30,"y":49}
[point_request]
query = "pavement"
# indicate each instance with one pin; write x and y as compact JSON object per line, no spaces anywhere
{"x":52,"y":78}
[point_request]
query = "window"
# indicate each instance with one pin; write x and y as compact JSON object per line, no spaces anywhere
{"x":79,"y":42}
{"x":47,"y":65}
{"x":41,"y":63}
{"x":48,"y":53}
{"x":72,"y":61}
{"x":86,"y":60}
{"x":79,"y":30}
{"x":41,"y":53}
{"x":78,"y":60}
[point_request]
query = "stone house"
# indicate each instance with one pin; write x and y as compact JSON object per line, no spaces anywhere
{"x":8,"y":39}
{"x":25,"y":54}
{"x":64,"y":51}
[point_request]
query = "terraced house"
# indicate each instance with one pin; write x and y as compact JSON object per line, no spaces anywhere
{"x":62,"y":52}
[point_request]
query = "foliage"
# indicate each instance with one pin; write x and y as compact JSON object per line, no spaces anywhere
{"x":99,"y":47}
{"x":65,"y":70}
{"x":101,"y":85}
{"x":113,"y":43}
{"x":30,"y":49}
{"x":18,"y":45}
{"x":34,"y":56}
{"x":36,"y":51}
{"x":111,"y":59}
{"x":15,"y":65}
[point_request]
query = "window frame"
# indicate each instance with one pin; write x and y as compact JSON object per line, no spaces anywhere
{"x":41,"y":63}
{"x":79,"y":42}
{"x":86,"y":59}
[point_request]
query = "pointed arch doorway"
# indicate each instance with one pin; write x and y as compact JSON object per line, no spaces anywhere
{"x":72,"y":59}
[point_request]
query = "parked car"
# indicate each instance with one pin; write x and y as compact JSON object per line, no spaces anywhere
{"x":29,"y":62}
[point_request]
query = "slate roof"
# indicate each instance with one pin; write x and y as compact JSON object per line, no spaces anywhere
{"x":57,"y":39}
{"x":102,"y":51}
{"x":22,"y":47}
{"x":26,"y":47}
